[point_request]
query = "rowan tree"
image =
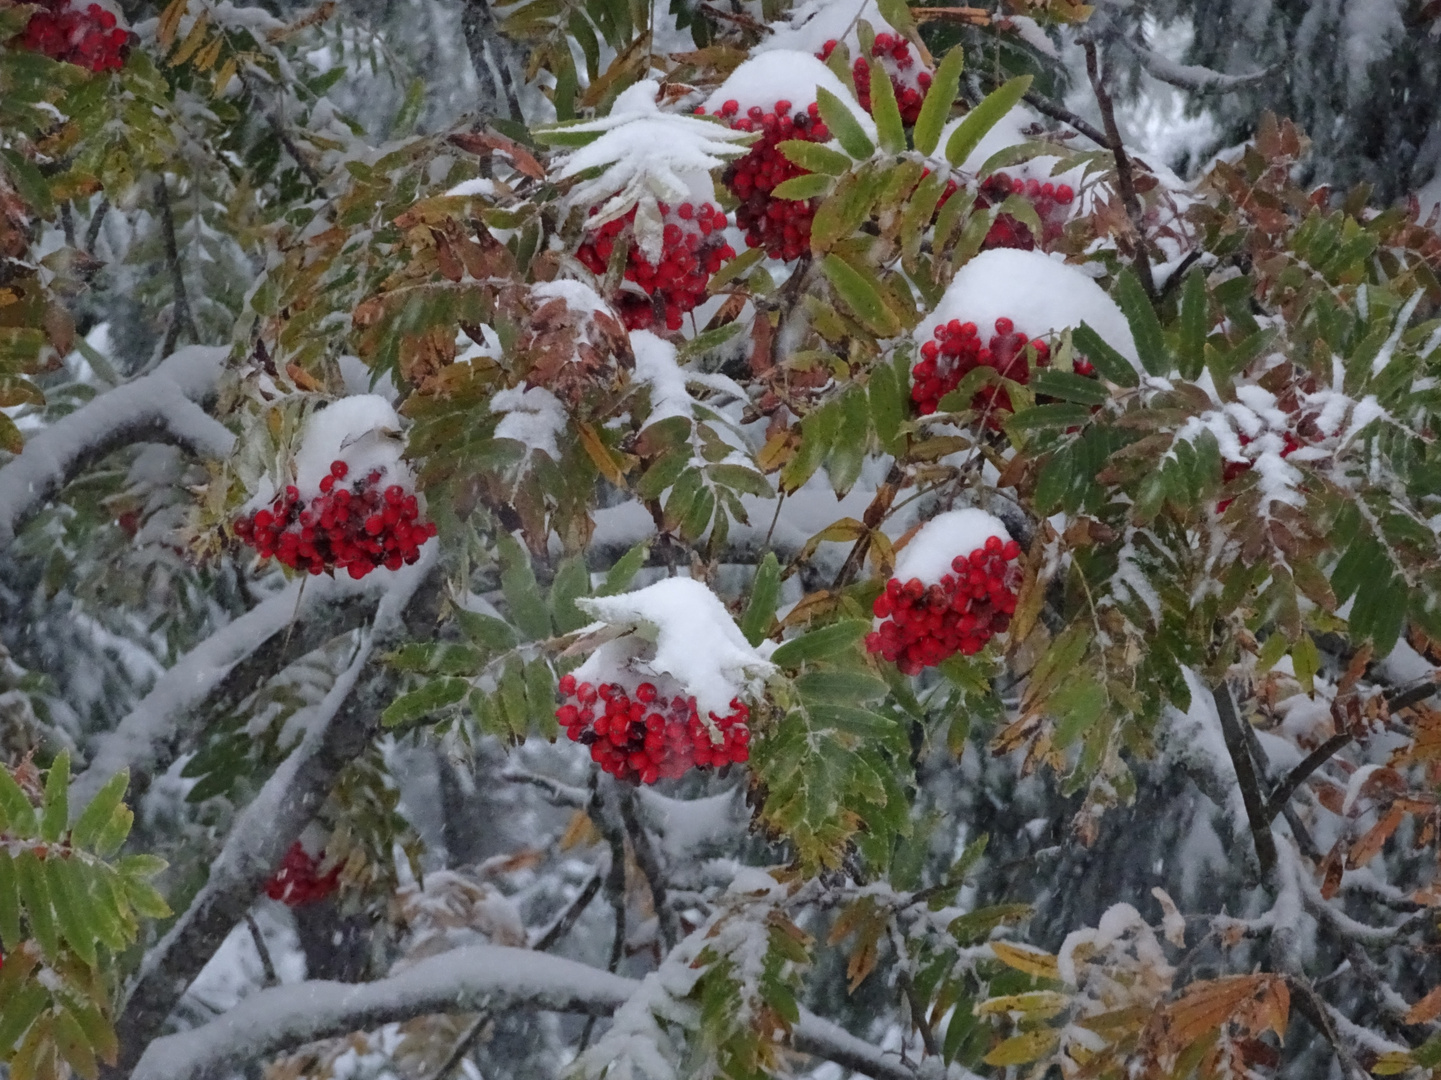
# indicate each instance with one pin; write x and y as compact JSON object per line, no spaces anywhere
{"x":712,"y":541}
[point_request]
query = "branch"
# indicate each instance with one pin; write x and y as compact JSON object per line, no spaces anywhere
{"x":180,"y":318}
{"x":468,"y":979}
{"x":1302,"y":772}
{"x":477,"y":24}
{"x":339,"y":729}
{"x":223,"y":669}
{"x":1056,"y":111}
{"x":271,"y":112}
{"x":1124,"y":175}
{"x":649,"y":863}
{"x":1245,"y":768}
{"x":159,"y":407}
{"x":1190,"y":76}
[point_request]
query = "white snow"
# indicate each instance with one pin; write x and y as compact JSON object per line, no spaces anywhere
{"x":656,"y":367}
{"x":683,"y":631}
{"x":532,"y":416}
{"x":647,"y":157}
{"x":785,"y":75}
{"x":1037,"y":292}
{"x":363,"y":431}
{"x":958,"y":532}
{"x":814,"y":22}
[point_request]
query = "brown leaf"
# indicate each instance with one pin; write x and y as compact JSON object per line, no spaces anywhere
{"x":1366,"y":849}
{"x":483,"y":144}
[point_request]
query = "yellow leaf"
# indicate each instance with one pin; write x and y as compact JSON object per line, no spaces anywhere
{"x":600,"y":454}
{"x":169,"y":23}
{"x":224,"y":75}
{"x":1032,"y":961}
{"x":193,"y":40}
{"x":1038,"y":1004}
{"x":1392,"y":1062}
{"x":1023,"y":1048}
{"x":208,"y":55}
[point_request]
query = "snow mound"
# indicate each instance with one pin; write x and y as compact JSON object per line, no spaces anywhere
{"x":1038,"y":293}
{"x":678,"y":628}
{"x":648,"y":157}
{"x":785,"y":75}
{"x":959,"y":532}
{"x":532,"y":416}
{"x":363,"y":431}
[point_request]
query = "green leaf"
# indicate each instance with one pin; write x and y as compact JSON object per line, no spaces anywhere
{"x":436,"y":694}
{"x":115,"y":831}
{"x":844,"y":125}
{"x":887,"y":114}
{"x":735,"y":268}
{"x":765,"y":598}
{"x":67,"y":890}
{"x":1061,"y":415}
{"x":517,"y":581}
{"x":20,"y":1012}
{"x":860,"y":290}
{"x":841,"y":687}
{"x":1195,"y":321}
{"x":1112,"y":365}
{"x":486,"y":631}
{"x":9,"y":903}
{"x":888,"y":408}
{"x":829,"y":642}
{"x":843,"y":465}
{"x":35,"y":899}
{"x":805,"y":186}
{"x":1068,"y":386}
{"x":1145,"y":327}
{"x":1306,"y":659}
{"x":540,"y":692}
{"x":818,"y":432}
{"x":625,"y":568}
{"x":983,"y":117}
{"x":572,"y":579}
{"x":16,"y":811}
{"x":937,"y":107}
{"x":146,"y":899}
{"x":100,"y":810}
{"x":815,"y":157}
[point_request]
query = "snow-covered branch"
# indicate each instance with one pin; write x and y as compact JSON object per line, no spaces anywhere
{"x":161,"y":407}
{"x":463,"y":980}
{"x":1189,"y":76}
{"x":336,"y":731}
{"x":280,"y":628}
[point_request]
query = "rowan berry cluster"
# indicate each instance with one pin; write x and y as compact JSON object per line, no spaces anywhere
{"x":958,"y":349}
{"x":356,"y":527}
{"x":299,"y":881}
{"x":1051,"y":201}
{"x":781,"y":226}
{"x":641,"y":736}
{"x":892,"y":54}
{"x":924,"y":625}
{"x":694,"y":250}
{"x":88,"y":39}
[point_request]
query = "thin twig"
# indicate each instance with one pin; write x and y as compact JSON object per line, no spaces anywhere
{"x":97,"y":219}
{"x":1302,"y":772}
{"x":462,"y":1047}
{"x":913,"y":999}
{"x":266,"y":964}
{"x":1314,"y":1009}
{"x":1057,"y":111}
{"x":570,"y":915}
{"x":180,"y":309}
{"x":649,"y":863}
{"x":282,"y":133}
{"x":1125,"y":176}
{"x":1246,"y":776}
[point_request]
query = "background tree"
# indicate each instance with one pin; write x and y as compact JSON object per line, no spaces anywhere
{"x":704,"y":540}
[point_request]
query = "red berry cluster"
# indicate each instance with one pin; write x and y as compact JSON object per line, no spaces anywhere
{"x":781,"y":226}
{"x":922,"y":626}
{"x":89,"y":38}
{"x":893,"y":54}
{"x":1050,"y":200}
{"x":298,"y":881}
{"x":636,"y":735}
{"x":958,"y":350}
{"x":356,"y":527}
{"x":694,"y":250}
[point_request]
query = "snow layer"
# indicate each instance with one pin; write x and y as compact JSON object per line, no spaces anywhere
{"x":363,"y":431}
{"x":1038,"y":293}
{"x":814,"y":22}
{"x":532,"y":416}
{"x":928,"y":556}
{"x":785,"y":75}
{"x":164,"y":401}
{"x":695,"y":641}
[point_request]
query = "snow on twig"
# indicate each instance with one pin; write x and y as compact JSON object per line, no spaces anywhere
{"x":1190,"y":76}
{"x":162,"y":406}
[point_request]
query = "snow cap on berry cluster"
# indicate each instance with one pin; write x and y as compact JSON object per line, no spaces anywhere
{"x":785,"y":75}
{"x":1036,"y":292}
{"x":813,"y":23}
{"x":677,"y":628}
{"x":928,"y":555}
{"x":363,"y":431}
{"x":647,"y":157}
